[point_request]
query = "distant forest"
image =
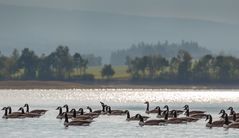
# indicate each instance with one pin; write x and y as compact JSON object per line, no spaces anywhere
{"x":167,"y":50}
{"x":58,"y":65}
{"x":62,"y":65}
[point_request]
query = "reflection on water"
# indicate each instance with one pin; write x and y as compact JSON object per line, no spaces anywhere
{"x":109,"y":126}
{"x":46,"y":97}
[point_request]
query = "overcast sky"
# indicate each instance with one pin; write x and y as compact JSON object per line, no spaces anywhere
{"x":213,"y":10}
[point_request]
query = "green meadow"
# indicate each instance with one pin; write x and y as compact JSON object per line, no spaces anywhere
{"x":120,"y":72}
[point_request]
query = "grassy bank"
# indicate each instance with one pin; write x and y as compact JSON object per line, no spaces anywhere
{"x":120,"y":72}
{"x":106,"y":84}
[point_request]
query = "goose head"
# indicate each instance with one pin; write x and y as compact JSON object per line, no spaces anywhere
{"x":4,"y":108}
{"x":102,"y":103}
{"x":146,"y":102}
{"x":186,"y":107}
{"x":231,"y":110}
{"x":26,"y":105}
{"x":208,"y":117}
{"x":65,"y":106}
{"x":166,"y":107}
{"x":157,"y":107}
{"x":128,"y":114}
{"x":58,"y":108}
{"x":89,"y":108}
{"x":21,"y":109}
{"x":223,"y":112}
{"x":81,"y":111}
{"x":10,"y":109}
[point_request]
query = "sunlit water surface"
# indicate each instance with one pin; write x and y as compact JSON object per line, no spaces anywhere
{"x":114,"y":126}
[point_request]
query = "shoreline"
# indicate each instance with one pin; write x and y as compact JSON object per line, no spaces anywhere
{"x":107,"y":85}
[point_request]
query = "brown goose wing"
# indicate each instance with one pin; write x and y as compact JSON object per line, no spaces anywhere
{"x":233,"y":125}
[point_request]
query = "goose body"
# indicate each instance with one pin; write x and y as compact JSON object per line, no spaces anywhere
{"x":7,"y":116}
{"x":197,"y":116}
{"x":188,"y":118}
{"x":80,"y":116}
{"x":227,"y":123}
{"x":151,"y":122}
{"x":12,"y":113}
{"x":174,"y":120}
{"x":96,"y":111}
{"x":28,"y":115}
{"x":115,"y":112}
{"x":210,"y":123}
{"x":194,"y":111}
{"x":38,"y":111}
{"x":75,"y":122}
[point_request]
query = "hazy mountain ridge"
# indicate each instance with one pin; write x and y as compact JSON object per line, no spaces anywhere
{"x":167,"y":50}
{"x":101,"y":33}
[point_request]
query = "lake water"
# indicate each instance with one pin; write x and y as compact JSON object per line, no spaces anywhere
{"x":114,"y":126}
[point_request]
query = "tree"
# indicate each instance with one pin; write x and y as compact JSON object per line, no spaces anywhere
{"x":184,"y":68}
{"x":107,"y":71}
{"x":29,"y":62}
{"x":61,"y":62}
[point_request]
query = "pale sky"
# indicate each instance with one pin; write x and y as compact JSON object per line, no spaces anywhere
{"x":212,"y":10}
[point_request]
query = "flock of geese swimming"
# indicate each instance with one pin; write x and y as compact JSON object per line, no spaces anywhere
{"x":75,"y":117}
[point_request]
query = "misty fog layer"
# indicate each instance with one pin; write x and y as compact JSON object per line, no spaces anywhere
{"x":100,"y":33}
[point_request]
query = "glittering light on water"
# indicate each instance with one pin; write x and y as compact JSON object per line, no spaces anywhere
{"x":118,"y":95}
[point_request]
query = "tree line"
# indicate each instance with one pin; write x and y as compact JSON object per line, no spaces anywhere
{"x":184,"y":69}
{"x":58,"y":65}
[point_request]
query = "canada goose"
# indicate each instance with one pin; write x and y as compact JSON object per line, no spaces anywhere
{"x":12,"y":113}
{"x":103,"y":112}
{"x":115,"y":112}
{"x":134,"y":118}
{"x":187,"y":118}
{"x":29,"y":115}
{"x":150,"y":111}
{"x":150,"y":122}
{"x":173,"y":120}
{"x":38,"y":111}
{"x":80,"y":116}
{"x":193,"y":112}
{"x":196,"y":115}
{"x":75,"y":122}
{"x":96,"y":111}
{"x":60,"y":114}
{"x":223,"y":112}
{"x":210,"y":123}
{"x":232,"y":112}
{"x":6,"y":115}
{"x":227,"y":123}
